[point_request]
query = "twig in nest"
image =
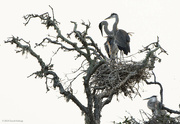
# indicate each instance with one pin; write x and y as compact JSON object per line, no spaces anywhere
{"x":119,"y":78}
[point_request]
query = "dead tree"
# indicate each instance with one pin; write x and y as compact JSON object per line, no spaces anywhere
{"x":102,"y":80}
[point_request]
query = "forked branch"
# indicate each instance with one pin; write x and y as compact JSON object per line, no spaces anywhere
{"x":161,"y":94}
{"x":47,"y":70}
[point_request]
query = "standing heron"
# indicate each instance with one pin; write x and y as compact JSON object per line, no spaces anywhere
{"x":121,"y":37}
{"x":154,"y":105}
{"x":110,"y":45}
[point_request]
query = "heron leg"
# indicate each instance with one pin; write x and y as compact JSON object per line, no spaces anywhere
{"x":121,"y":56}
{"x":113,"y":59}
{"x":117,"y":57}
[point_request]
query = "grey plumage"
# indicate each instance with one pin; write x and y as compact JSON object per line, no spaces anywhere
{"x":122,"y":41}
{"x":110,"y":45}
{"x":122,"y":38}
{"x":154,"y":105}
{"x":117,"y":39}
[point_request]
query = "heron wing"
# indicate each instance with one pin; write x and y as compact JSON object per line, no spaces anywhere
{"x":122,"y":40}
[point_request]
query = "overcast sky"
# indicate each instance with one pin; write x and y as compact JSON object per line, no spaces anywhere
{"x":26,"y":99}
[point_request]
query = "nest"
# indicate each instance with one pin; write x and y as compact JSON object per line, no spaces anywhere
{"x":120,"y":77}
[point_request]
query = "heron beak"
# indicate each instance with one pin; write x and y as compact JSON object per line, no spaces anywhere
{"x":108,"y":18}
{"x":100,"y":28}
{"x":146,"y":99}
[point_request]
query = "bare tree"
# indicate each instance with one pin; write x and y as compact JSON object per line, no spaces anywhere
{"x":102,"y":79}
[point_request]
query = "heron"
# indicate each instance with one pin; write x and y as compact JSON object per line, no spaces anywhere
{"x":110,"y":45}
{"x":121,"y":37}
{"x":155,"y":106}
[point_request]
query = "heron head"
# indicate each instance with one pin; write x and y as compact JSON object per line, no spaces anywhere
{"x":152,"y":97}
{"x":113,"y":15}
{"x":101,"y":24}
{"x":100,"y":27}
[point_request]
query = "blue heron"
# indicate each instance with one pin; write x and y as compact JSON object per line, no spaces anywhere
{"x":110,"y":45}
{"x":121,"y":37}
{"x":154,"y":105}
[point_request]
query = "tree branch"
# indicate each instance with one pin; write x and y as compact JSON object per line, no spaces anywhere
{"x":82,"y":39}
{"x":161,"y":89}
{"x":99,"y":93}
{"x":45,"y":71}
{"x":161,"y":94}
{"x":26,"y":48}
{"x":46,"y":20}
{"x":96,"y":47}
{"x":67,"y":94}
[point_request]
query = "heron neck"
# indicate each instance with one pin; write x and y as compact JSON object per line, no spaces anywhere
{"x":107,"y":31}
{"x":115,"y":24}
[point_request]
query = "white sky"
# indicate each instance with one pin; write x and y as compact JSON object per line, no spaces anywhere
{"x":26,"y":99}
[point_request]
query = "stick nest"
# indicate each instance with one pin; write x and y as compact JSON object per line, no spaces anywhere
{"x":121,"y":77}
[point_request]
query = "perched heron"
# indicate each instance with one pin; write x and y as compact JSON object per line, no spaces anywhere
{"x":154,"y":105}
{"x":110,"y":45}
{"x":121,"y":37}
